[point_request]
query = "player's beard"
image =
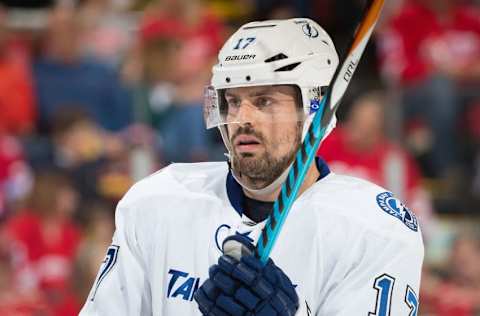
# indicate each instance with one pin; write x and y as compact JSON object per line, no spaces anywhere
{"x":263,"y":170}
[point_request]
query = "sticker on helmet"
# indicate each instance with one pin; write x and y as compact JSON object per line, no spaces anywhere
{"x":244,"y":42}
{"x":315,"y":96}
{"x":310,"y":30}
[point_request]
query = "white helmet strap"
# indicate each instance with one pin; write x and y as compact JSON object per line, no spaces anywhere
{"x":278,"y":181}
{"x":269,"y":189}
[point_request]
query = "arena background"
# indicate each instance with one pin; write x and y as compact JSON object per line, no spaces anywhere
{"x":97,"y":94}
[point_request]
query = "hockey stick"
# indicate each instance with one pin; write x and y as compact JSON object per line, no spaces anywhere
{"x":316,"y":131}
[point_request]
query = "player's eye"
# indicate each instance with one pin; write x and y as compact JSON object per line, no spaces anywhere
{"x":263,"y":102}
{"x":233,"y":103}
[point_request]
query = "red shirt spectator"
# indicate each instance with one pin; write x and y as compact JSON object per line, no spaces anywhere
{"x":44,"y":237}
{"x":373,"y":164}
{"x":14,"y":301}
{"x":49,"y":250}
{"x":420,"y":40}
{"x":46,"y":253}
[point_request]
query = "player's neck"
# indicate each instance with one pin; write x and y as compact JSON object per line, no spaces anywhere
{"x":312,"y":175}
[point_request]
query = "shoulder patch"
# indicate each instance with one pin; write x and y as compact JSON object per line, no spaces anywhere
{"x":107,"y":265}
{"x":391,"y":205}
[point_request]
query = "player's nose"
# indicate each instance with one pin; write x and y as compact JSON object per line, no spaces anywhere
{"x":246,"y":112}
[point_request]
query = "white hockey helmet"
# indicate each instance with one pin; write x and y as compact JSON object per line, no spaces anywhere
{"x":275,"y":52}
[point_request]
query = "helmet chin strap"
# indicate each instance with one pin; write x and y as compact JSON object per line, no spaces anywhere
{"x":269,"y":189}
{"x":277,"y":183}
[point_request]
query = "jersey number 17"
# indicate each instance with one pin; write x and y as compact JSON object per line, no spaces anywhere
{"x":384,"y":286}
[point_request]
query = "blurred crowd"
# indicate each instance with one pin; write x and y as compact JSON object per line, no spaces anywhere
{"x":97,"y":94}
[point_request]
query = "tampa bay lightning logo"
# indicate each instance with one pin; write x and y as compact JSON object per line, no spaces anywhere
{"x":310,"y":30}
{"x":394,"y":207}
{"x":223,"y":231}
{"x":315,"y":95}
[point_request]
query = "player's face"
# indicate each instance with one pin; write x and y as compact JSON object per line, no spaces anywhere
{"x":263,"y":141}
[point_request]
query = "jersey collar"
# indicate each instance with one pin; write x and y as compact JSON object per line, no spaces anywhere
{"x":236,"y":195}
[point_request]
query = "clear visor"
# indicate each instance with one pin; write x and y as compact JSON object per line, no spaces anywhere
{"x":256,"y":104}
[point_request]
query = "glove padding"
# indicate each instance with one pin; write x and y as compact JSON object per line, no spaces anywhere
{"x":243,"y":286}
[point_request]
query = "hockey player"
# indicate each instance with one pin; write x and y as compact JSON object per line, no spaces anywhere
{"x":184,"y":236}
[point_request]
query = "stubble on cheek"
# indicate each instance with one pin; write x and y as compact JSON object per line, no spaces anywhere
{"x":261,"y":168}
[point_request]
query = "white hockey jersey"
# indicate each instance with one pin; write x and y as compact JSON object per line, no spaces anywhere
{"x":349,"y":246}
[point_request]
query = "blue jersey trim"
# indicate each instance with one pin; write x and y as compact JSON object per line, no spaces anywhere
{"x":235,"y":193}
{"x":322,"y":167}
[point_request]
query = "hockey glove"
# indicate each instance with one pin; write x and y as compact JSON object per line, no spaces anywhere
{"x":239,"y":285}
